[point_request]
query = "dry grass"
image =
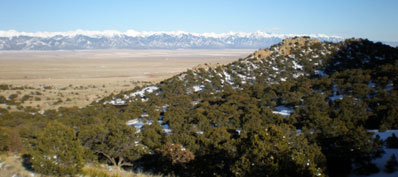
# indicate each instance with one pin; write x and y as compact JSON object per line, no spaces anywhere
{"x":78,"y":78}
{"x":11,"y":166}
{"x":104,"y":171}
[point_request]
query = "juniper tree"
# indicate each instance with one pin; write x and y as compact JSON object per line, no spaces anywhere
{"x":173,"y":159}
{"x":391,"y":165}
{"x":152,"y":135}
{"x":392,"y":141}
{"x":114,"y":141}
{"x":278,"y":151}
{"x":57,"y":151}
{"x":14,"y":141}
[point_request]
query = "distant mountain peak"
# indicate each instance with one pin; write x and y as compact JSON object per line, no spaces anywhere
{"x":133,"y":33}
{"x":131,"y":39}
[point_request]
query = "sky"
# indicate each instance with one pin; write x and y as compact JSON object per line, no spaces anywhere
{"x":373,"y":19}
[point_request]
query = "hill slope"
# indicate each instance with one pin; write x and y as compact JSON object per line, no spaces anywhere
{"x":301,"y":107}
{"x":293,"y":60}
{"x":331,"y":91}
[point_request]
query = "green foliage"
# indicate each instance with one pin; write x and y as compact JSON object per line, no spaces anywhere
{"x":339,"y":132}
{"x":176,"y":154}
{"x":13,"y":96}
{"x":278,"y":151}
{"x":25,"y":98}
{"x":4,"y":87}
{"x":114,"y":141}
{"x":391,"y":165}
{"x":173,"y":159}
{"x":14,"y":141}
{"x":57,"y":151}
{"x":392,"y":141}
{"x":3,"y":99}
{"x":152,"y":135}
{"x":3,"y":140}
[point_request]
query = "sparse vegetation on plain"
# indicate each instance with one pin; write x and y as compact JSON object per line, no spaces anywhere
{"x":67,"y":79}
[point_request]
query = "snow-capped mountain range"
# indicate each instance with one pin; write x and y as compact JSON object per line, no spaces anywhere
{"x":130,"y":39}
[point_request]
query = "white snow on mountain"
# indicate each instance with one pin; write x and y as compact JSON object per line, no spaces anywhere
{"x":133,"y":33}
{"x":131,"y":39}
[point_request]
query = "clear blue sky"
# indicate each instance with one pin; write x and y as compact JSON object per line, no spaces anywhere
{"x":372,"y":19}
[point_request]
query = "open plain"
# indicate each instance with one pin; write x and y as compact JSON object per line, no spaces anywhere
{"x":51,"y":79}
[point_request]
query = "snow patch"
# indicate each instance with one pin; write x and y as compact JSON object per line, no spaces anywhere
{"x":320,"y":73}
{"x":384,"y":135}
{"x":336,"y":97}
{"x":296,"y":65}
{"x":149,"y":89}
{"x":389,"y":86}
{"x":371,"y":84}
{"x":197,"y":88}
{"x":228,"y":78}
{"x":138,"y":123}
{"x":296,"y":75}
{"x":283,"y":111}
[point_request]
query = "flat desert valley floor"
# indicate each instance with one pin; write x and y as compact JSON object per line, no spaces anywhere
{"x":50,"y":79}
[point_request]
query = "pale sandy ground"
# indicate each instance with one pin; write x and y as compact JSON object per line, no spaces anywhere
{"x":86,"y":76}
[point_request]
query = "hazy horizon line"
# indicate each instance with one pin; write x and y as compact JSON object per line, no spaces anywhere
{"x":135,"y":33}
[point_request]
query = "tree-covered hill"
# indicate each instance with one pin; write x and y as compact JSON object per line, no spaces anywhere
{"x":286,"y":73}
{"x":298,"y":108}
